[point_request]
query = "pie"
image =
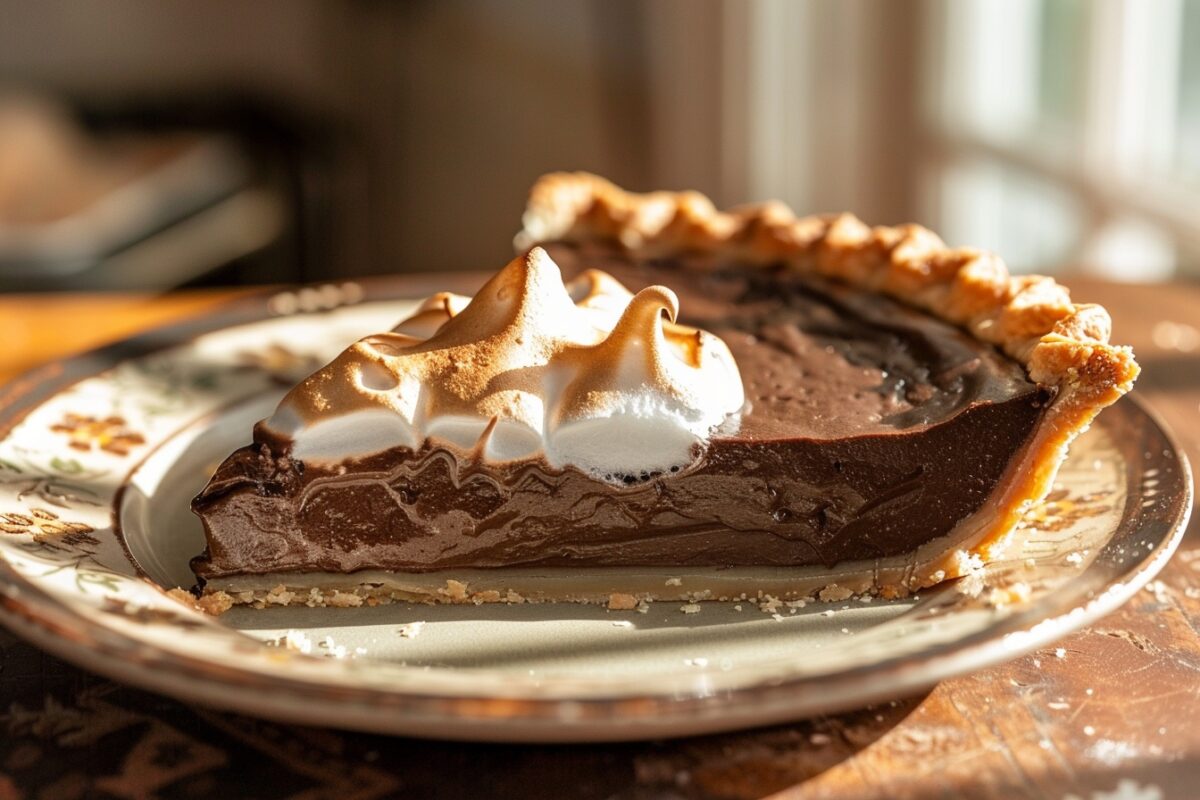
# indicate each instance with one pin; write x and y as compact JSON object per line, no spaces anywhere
{"x":708,"y":405}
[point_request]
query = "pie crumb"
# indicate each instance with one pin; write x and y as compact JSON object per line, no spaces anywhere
{"x":834,"y":592}
{"x":770,"y":604}
{"x":215,"y":604}
{"x":344,"y":600}
{"x":412,"y":630}
{"x":690,"y":608}
{"x":279,"y":596}
{"x":622,"y":602}
{"x":893,"y":592}
{"x":296,"y":641}
{"x":181,"y":595}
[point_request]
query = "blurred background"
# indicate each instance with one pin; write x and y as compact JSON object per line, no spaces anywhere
{"x":146,"y":146}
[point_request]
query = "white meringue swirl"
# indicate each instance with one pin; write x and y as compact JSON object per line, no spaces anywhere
{"x":585,"y":375}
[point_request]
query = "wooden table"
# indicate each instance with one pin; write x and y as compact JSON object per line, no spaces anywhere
{"x":1118,"y":707}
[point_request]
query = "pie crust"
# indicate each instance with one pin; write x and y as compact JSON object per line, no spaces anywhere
{"x":1064,"y":346}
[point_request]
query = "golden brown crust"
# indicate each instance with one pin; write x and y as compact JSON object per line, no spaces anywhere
{"x":1031,"y":317}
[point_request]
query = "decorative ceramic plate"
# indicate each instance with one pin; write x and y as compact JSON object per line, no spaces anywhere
{"x":100,"y":455}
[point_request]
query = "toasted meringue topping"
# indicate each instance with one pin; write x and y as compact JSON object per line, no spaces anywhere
{"x":586,"y":374}
{"x":434,"y":312}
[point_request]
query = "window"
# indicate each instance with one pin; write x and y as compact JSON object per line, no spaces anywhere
{"x":1061,"y":126}
{"x":1062,"y":134}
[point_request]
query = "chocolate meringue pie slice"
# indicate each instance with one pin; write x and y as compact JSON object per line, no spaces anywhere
{"x":813,"y":407}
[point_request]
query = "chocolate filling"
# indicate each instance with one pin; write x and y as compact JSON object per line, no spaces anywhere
{"x":869,"y":430}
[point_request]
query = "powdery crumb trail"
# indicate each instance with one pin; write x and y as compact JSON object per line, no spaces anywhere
{"x":1160,"y":591}
{"x":335,"y":650}
{"x":674,"y":582}
{"x":412,"y":630}
{"x":622,"y":602}
{"x":690,"y":608}
{"x":332,"y":648}
{"x":296,"y":641}
{"x":1115,"y":752}
{"x":770,"y":605}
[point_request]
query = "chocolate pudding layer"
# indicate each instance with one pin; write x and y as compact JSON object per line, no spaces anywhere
{"x":869,"y":430}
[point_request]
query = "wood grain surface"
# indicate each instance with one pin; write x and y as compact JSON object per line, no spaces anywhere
{"x":1111,"y":712}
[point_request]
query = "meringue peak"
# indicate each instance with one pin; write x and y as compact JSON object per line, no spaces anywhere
{"x":434,"y":312}
{"x":527,"y":296}
{"x":585,"y":374}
